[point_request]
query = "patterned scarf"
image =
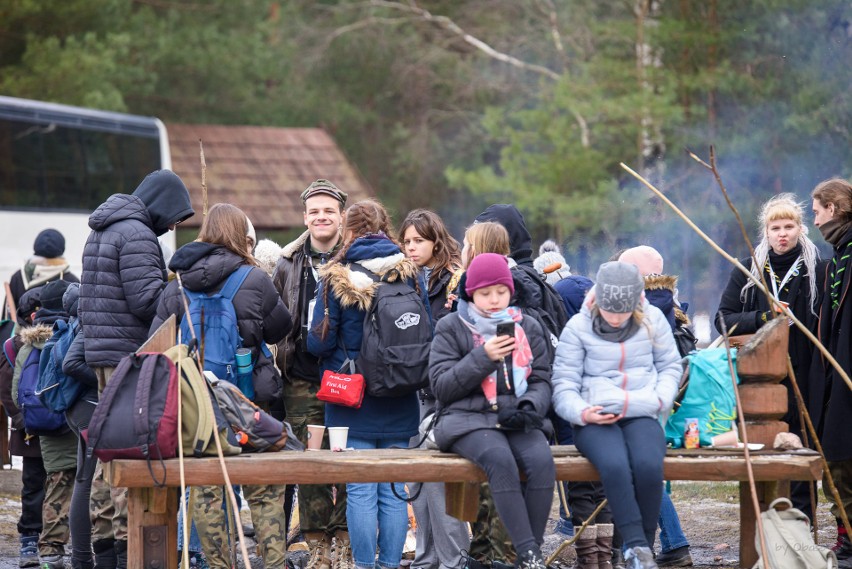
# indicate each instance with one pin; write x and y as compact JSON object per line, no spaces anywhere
{"x":484,"y":327}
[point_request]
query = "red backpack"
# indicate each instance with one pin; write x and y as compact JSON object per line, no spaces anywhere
{"x":136,"y":416}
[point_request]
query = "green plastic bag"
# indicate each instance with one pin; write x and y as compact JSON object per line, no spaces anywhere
{"x":709,"y":398}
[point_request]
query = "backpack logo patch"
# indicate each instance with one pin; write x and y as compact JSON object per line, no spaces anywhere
{"x":407,"y":320}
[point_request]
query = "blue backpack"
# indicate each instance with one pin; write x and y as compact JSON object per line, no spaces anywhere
{"x":220,"y":338}
{"x":38,"y":419}
{"x":57,"y":391}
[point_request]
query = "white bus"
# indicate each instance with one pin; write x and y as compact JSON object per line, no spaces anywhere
{"x":59,"y":163}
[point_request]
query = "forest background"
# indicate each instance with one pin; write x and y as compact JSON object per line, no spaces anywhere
{"x":456,"y":104}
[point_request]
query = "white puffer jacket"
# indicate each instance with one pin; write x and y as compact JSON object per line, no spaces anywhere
{"x":638,"y":377}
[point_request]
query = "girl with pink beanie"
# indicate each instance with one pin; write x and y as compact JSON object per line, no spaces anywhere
{"x":493,"y":391}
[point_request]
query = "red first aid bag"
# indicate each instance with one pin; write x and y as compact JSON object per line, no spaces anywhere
{"x":345,"y":389}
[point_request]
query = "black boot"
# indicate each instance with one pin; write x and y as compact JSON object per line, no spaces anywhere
{"x":530,"y":559}
{"x":120,"y":555}
{"x":104,"y":553}
{"x":77,"y":564}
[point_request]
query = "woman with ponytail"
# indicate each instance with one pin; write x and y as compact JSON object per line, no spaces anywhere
{"x":375,"y":516}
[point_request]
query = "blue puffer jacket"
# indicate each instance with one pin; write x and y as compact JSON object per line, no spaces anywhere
{"x":123,"y":268}
{"x":349,"y":295}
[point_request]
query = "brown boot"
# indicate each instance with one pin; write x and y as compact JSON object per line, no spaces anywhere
{"x":604,"y":545}
{"x":319,"y":548}
{"x":342,"y":551}
{"x":586,"y":547}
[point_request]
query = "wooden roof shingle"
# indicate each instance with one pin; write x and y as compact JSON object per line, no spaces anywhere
{"x":262,"y":170}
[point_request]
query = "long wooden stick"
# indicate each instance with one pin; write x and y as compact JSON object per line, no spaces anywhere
{"x":203,"y":179}
{"x":10,"y":303}
{"x":744,"y":436}
{"x":714,"y":169}
{"x":577,"y":534}
{"x":810,"y":426}
{"x":229,"y":489}
{"x":777,"y":305}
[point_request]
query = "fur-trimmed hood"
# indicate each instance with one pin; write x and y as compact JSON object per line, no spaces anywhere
{"x":355,"y":289}
{"x":38,"y":334}
{"x":667,"y":283}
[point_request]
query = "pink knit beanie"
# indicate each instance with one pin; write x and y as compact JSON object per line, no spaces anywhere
{"x":488,"y":269}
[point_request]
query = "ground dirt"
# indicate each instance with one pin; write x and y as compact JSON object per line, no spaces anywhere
{"x":709,"y":513}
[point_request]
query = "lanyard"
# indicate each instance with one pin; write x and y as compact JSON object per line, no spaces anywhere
{"x":791,"y":272}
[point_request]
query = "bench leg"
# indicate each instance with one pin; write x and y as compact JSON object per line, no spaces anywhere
{"x":462,"y":499}
{"x":152,"y":528}
{"x":766,"y":492}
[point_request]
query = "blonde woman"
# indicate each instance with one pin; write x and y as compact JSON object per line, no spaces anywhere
{"x":790,"y":264}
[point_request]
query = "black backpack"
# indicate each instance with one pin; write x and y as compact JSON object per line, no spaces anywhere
{"x":552,"y":312}
{"x":397,"y":337}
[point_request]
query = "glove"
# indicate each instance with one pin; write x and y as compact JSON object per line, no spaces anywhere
{"x":523,"y":418}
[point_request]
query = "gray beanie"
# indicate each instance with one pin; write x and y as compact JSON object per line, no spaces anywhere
{"x":618,"y":287}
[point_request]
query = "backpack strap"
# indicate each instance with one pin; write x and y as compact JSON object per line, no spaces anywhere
{"x":143,"y":400}
{"x":10,"y":352}
{"x":235,"y":281}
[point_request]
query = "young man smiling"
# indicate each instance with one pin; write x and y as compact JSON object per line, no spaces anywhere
{"x":320,"y":516}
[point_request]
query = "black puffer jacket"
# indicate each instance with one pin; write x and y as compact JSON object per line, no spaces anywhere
{"x":261,"y":315}
{"x":123,"y":268}
{"x":456,"y":371}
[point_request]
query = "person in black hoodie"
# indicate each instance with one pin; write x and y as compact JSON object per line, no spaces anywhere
{"x":537,"y":295}
{"x":790,"y":264}
{"x":123,"y":276}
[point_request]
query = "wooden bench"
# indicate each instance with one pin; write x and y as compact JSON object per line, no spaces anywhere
{"x":152,"y":512}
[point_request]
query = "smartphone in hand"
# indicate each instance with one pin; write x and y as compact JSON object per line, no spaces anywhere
{"x":506,"y":329}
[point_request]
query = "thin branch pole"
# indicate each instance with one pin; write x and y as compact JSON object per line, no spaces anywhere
{"x":744,"y":436}
{"x":553,"y":556}
{"x":778,"y":306}
{"x":203,"y":179}
{"x":810,"y":426}
{"x":713,"y":167}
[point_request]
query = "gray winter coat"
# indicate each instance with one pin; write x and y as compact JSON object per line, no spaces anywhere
{"x":456,"y":372}
{"x":638,"y":377}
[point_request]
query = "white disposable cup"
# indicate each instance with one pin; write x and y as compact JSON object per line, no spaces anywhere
{"x":337,"y":437}
{"x":315,"y":433}
{"x":728,"y":439}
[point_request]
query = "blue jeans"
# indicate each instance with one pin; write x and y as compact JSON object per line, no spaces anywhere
{"x":371,"y":507}
{"x":671,"y":534}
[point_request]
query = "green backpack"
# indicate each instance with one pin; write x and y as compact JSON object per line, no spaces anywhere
{"x":200,"y":414}
{"x":709,"y":397}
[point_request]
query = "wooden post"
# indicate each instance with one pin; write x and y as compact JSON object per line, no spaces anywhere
{"x":152,"y":512}
{"x":152,"y":528}
{"x":462,"y":499}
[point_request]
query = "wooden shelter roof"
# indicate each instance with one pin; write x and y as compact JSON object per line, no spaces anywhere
{"x":262,"y":170}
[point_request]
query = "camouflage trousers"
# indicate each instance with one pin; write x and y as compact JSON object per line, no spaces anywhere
{"x":105,"y":499}
{"x":319,"y":511}
{"x":267,"y":515}
{"x":490,"y":539}
{"x":55,"y":530}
